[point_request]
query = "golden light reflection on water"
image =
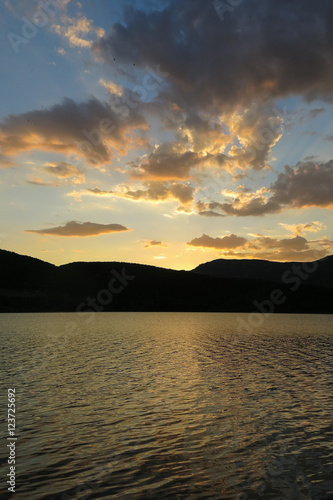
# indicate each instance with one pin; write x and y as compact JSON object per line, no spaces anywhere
{"x":150,"y":404}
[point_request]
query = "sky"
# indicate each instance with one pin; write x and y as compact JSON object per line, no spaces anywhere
{"x":166,"y":132}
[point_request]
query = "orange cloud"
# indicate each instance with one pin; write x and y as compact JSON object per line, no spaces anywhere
{"x":310,"y":227}
{"x":82,"y":229}
{"x":152,"y":192}
{"x":297,"y":248}
{"x":78,"y":32}
{"x":90,"y":130}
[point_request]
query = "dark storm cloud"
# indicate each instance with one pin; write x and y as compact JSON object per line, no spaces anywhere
{"x":262,"y":50}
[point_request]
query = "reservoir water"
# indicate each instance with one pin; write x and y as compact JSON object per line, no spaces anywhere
{"x":163,"y":405}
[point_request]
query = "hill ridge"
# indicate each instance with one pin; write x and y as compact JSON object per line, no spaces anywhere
{"x":28,"y":284}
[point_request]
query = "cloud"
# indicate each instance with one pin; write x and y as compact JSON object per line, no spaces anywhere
{"x":328,"y":138}
{"x":153,"y":192}
{"x":298,"y":243}
{"x":249,"y":134}
{"x":259,"y":52}
{"x":242,"y":205}
{"x":257,"y":206}
{"x":326,"y":243}
{"x":37,"y":181}
{"x":310,"y":227}
{"x":309,"y":158}
{"x":204,"y":117}
{"x":308,"y":132}
{"x":208,"y":209}
{"x":90,"y":130}
{"x":258,"y":55}
{"x":257,"y":129}
{"x":81,"y":229}
{"x":5,"y":162}
{"x":64,"y":170}
{"x":230,"y":241}
{"x":99,"y":192}
{"x":306,"y":185}
{"x":313,"y":113}
{"x":168,"y":161}
{"x":296,"y":248}
{"x":112,"y":87}
{"x":201,"y":133}
{"x":153,"y":243}
{"x":280,"y":255}
{"x":239,"y":177}
{"x":78,"y":32}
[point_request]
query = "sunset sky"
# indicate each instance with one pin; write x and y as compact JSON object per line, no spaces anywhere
{"x":168,"y":133}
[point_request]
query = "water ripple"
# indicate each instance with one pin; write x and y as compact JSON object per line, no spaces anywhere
{"x":179,"y":406}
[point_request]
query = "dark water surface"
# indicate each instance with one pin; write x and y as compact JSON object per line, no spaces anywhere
{"x":163,"y":405}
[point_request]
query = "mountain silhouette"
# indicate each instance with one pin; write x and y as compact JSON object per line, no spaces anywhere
{"x":319,"y":273}
{"x":31,"y":285}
